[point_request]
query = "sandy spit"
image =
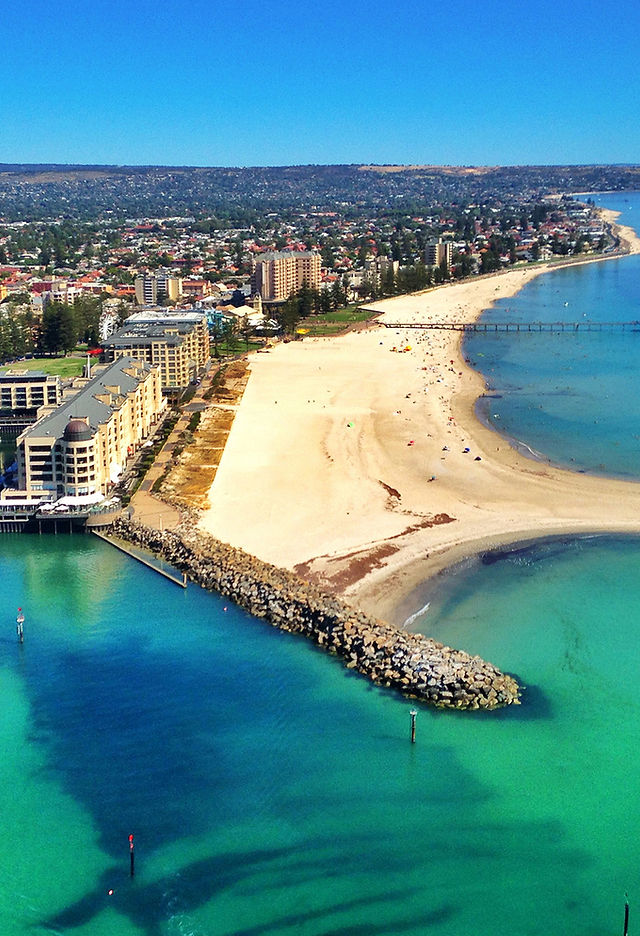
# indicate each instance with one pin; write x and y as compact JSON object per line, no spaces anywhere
{"x":328,"y":466}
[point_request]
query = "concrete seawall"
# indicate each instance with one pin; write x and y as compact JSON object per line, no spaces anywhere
{"x":418,"y":666}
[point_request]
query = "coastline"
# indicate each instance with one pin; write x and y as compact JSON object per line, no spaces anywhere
{"x":327,"y":468}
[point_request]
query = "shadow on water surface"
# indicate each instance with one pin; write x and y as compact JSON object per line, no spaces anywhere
{"x":173,"y":749}
{"x":117,"y":732}
{"x":150,"y":905}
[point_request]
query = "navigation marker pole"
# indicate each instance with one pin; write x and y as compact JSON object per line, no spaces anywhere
{"x":413,"y":714}
{"x":131,"y":855}
{"x":626,"y":914}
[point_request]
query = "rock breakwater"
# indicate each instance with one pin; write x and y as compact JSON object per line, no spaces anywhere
{"x":414,"y":664}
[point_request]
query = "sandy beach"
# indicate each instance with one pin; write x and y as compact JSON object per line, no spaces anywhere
{"x":329,"y":465}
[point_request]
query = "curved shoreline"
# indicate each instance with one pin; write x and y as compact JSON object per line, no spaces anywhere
{"x":429,"y":590}
{"x":327,"y":466}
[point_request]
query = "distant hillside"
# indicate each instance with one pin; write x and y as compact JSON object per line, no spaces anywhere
{"x":237,"y":195}
{"x":445,"y":170}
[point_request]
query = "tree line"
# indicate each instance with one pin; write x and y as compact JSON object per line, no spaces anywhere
{"x":309,"y":301}
{"x":60,"y":328}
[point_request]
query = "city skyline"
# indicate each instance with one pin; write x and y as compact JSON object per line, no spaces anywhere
{"x":204,"y":84}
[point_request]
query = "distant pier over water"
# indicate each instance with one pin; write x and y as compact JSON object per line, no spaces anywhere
{"x":482,"y":326}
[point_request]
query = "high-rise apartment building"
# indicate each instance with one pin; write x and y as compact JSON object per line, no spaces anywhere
{"x":438,"y":250}
{"x":154,"y":287}
{"x":276,"y":275}
{"x":178,"y":342}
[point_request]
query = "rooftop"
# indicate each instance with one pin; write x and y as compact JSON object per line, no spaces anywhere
{"x":14,"y":374}
{"x":284,"y":254}
{"x":165,"y":317}
{"x":85,"y":405}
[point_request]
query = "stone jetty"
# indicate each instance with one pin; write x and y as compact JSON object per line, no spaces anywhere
{"x":418,"y":666}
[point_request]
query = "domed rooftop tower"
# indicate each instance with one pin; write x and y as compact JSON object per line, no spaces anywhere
{"x":77,"y":430}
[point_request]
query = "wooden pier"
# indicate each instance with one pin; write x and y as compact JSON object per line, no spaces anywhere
{"x":488,"y":326}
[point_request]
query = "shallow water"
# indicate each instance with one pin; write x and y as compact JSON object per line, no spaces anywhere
{"x":272,"y":791}
{"x":574,"y":397}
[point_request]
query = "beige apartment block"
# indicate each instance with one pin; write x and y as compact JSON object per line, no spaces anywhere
{"x":438,"y":250}
{"x":28,"y":390}
{"x":81,"y":448}
{"x":177,"y":342}
{"x":152,"y":286}
{"x":276,"y":275}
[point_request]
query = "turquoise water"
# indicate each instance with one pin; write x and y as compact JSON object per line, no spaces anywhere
{"x":574,"y":397}
{"x":272,"y":791}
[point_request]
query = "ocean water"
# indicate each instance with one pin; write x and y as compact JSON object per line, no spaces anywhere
{"x":271,"y":791}
{"x":573,"y":397}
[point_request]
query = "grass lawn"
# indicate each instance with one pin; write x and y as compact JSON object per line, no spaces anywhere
{"x":332,"y":323}
{"x":60,"y":367}
{"x":236,"y":346}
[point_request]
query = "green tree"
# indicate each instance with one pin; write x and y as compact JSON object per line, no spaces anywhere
{"x":245,"y":330}
{"x":462,"y":265}
{"x":328,"y":257}
{"x":68,"y":328}
{"x":305,"y":301}
{"x":289,"y":315}
{"x":369,"y":287}
{"x":59,"y":328}
{"x":324,"y":301}
{"x":338,"y":295}
{"x":59,"y":254}
{"x":388,"y":284}
{"x":489,"y":262}
{"x":87,"y":311}
{"x":50,"y":335}
{"x":6,"y":347}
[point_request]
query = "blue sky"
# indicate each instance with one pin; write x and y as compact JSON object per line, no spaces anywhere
{"x":221,"y":83}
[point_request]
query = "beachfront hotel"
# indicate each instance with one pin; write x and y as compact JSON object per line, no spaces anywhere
{"x":177,"y":342}
{"x":80,"y":449}
{"x":276,"y":275}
